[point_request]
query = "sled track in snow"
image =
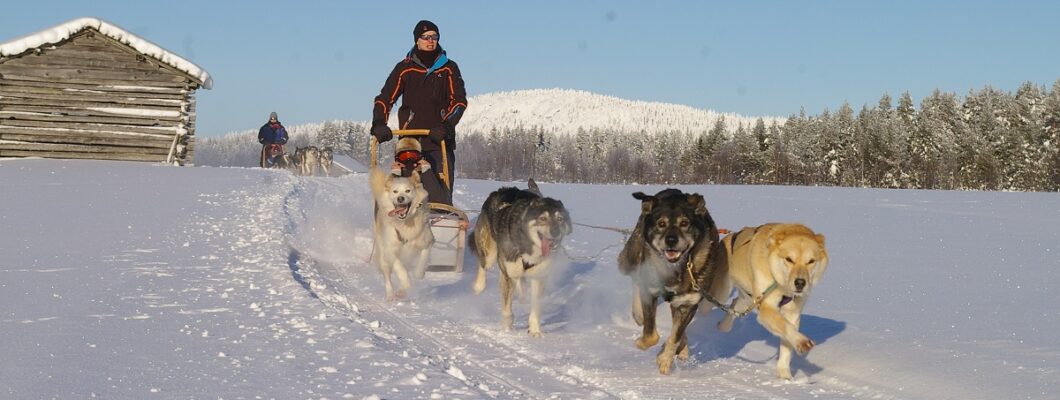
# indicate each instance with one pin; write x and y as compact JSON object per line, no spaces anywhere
{"x":337,"y":288}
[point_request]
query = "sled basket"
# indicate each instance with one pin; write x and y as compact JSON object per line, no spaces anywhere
{"x":448,"y":225}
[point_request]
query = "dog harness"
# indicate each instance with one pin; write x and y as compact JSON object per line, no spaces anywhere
{"x":758,"y":301}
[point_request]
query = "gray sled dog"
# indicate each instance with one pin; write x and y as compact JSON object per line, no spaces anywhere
{"x":402,"y":231}
{"x":774,"y":267}
{"x":309,"y":161}
{"x":326,"y":159}
{"x":519,"y":229}
{"x":673,"y":252}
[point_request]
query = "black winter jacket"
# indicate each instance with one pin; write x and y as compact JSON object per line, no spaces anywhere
{"x":431,"y":97}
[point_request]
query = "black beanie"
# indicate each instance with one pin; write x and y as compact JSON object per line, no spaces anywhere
{"x":424,"y":26}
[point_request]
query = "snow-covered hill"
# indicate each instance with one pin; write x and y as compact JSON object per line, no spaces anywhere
{"x":131,"y":280}
{"x":564,"y":111}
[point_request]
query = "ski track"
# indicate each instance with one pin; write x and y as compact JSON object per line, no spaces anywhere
{"x":328,"y":258}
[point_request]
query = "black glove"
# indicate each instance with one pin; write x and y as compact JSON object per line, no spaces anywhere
{"x":438,"y":133}
{"x":382,"y":133}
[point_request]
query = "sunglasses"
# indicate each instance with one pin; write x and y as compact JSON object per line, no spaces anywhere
{"x":429,"y":38}
{"x":409,"y":156}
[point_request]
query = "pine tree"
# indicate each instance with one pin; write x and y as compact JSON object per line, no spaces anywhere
{"x":1051,"y":122}
{"x":1032,"y":170}
{"x":797,"y":144}
{"x":979,"y":164}
{"x":848,"y":144}
{"x":907,"y":116}
{"x":708,"y":146}
{"x":881,"y":153}
{"x":331,"y":135}
{"x":744,"y":160}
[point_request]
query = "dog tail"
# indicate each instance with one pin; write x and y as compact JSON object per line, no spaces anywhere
{"x":377,"y":181}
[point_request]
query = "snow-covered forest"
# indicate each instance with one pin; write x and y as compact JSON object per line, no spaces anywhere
{"x":988,"y":139}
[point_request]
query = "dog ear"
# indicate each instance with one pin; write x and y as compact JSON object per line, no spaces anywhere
{"x":532,"y":186}
{"x":775,"y":238}
{"x":646,"y":202}
{"x":698,"y":203}
{"x":819,"y":238}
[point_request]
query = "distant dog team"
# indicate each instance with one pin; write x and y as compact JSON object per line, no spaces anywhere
{"x":306,"y":161}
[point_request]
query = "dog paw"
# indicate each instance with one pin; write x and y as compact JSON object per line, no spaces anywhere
{"x":804,"y":345}
{"x":784,"y":373}
{"x":535,"y":334}
{"x":644,"y":342}
{"x":479,"y":286}
{"x":506,"y":323}
{"x":665,"y":363}
{"x":683,"y":354}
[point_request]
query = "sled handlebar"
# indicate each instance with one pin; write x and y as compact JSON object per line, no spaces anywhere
{"x":411,"y":132}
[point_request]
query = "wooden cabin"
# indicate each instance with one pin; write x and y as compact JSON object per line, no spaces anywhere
{"x":89,"y":89}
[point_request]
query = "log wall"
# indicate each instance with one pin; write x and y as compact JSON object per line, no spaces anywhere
{"x":93,"y":97}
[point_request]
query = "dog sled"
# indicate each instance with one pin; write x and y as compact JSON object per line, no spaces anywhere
{"x":448,"y":224}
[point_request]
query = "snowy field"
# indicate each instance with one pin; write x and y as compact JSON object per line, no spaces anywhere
{"x":139,"y":281}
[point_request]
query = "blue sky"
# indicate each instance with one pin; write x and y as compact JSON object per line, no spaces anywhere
{"x":317,"y":60}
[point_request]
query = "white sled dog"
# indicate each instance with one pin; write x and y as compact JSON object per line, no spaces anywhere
{"x":518,"y":229}
{"x":402,"y":231}
{"x":774,"y":267}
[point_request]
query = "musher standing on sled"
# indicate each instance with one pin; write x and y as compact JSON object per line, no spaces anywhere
{"x":433,"y":98}
{"x":271,"y":133}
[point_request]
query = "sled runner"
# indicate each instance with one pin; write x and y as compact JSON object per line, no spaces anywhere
{"x":448,"y":224}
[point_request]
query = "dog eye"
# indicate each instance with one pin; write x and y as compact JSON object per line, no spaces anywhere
{"x":684,"y":224}
{"x":542,"y":218}
{"x":811,"y":261}
{"x":789,"y":260}
{"x":661,"y":224}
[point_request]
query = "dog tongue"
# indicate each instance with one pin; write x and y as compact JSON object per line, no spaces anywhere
{"x":398,"y":212}
{"x":672,"y":256}
{"x":546,"y":246}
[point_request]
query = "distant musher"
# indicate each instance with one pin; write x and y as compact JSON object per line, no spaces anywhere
{"x":272,"y":137}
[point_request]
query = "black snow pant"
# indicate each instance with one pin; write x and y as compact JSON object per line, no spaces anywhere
{"x":437,"y":192}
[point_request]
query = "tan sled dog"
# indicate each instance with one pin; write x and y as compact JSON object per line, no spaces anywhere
{"x":402,"y":231}
{"x":774,"y":267}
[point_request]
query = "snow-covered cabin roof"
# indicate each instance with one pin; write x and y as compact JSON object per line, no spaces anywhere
{"x":66,"y":30}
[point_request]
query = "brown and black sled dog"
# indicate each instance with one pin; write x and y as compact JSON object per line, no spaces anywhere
{"x":673,"y":253}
